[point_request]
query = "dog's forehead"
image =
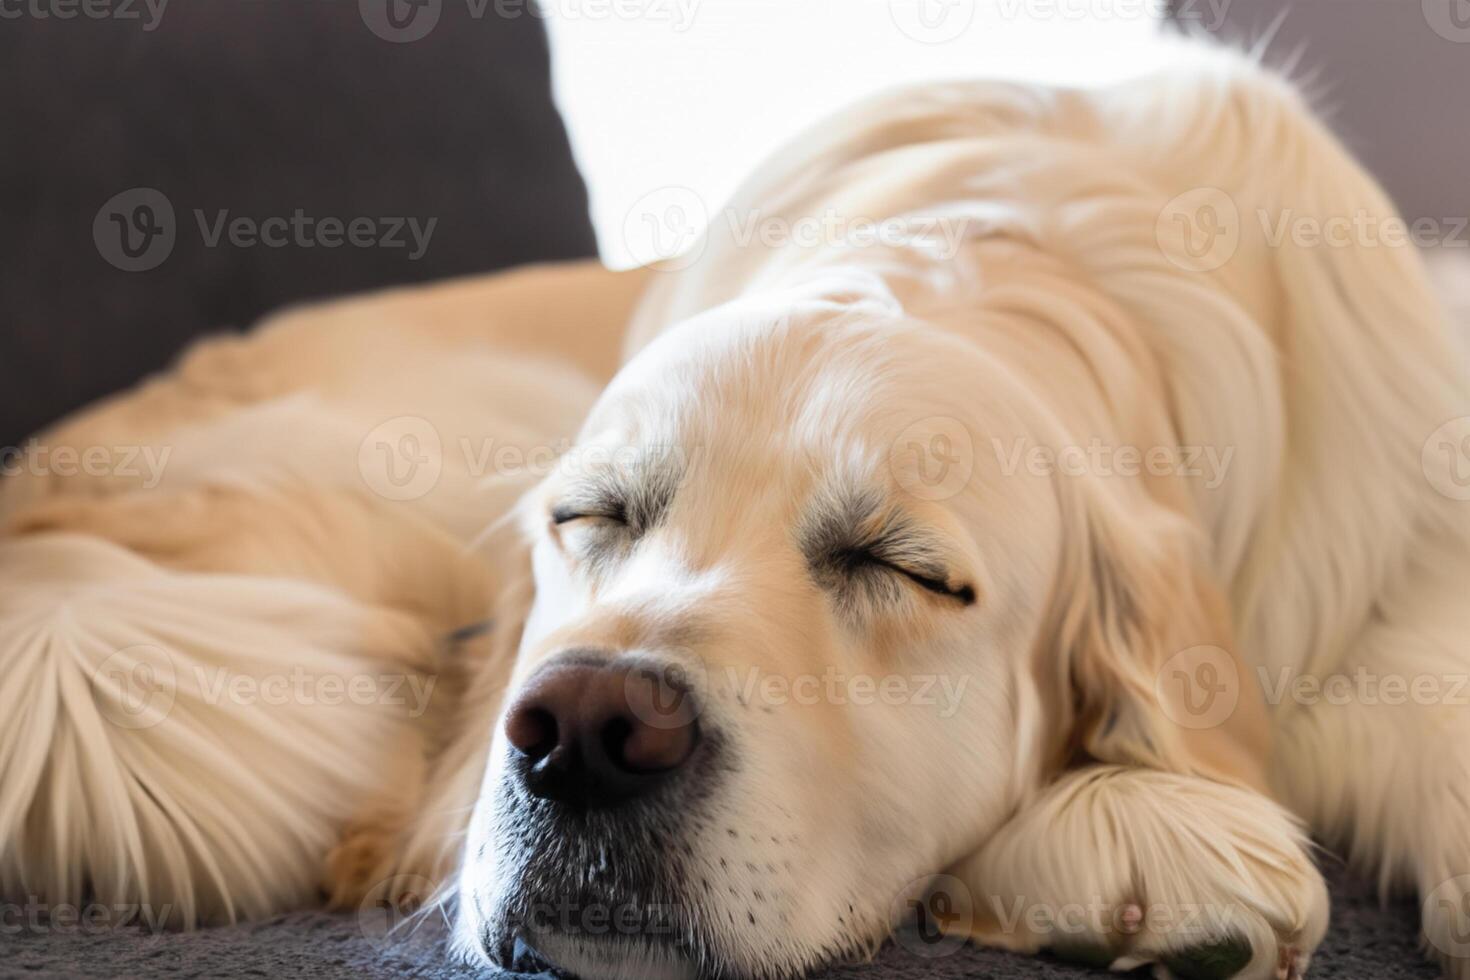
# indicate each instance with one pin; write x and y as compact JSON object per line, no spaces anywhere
{"x":766,"y":415}
{"x":807,"y":385}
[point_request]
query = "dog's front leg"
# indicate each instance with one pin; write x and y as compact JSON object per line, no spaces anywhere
{"x":1125,"y":866}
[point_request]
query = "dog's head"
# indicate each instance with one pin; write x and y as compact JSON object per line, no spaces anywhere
{"x":802,"y":640}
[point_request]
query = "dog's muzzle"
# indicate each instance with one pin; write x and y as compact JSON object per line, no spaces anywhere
{"x":608,"y":774}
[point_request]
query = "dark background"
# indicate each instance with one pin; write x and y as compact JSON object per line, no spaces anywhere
{"x":263,"y":107}
{"x":259,"y":107}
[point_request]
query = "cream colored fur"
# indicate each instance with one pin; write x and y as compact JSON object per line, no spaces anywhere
{"x":787,"y":380}
{"x":132,"y":774}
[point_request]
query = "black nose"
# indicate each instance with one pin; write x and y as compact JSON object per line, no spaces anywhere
{"x":597,"y":734}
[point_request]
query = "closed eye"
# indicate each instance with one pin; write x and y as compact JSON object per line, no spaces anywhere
{"x":591,"y":534}
{"x":931,"y":580}
{"x":566,"y":515}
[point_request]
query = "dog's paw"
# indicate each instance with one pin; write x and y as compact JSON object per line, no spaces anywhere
{"x":1220,"y":960}
{"x":1228,"y":958}
{"x":1131,"y":868}
{"x":362,"y":864}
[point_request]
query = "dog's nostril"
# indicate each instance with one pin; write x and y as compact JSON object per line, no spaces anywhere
{"x":532,"y":730}
{"x":615,"y":736}
{"x":637,"y":747}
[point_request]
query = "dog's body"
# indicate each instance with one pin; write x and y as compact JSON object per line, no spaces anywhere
{"x":357,"y":447}
{"x":1132,"y":633}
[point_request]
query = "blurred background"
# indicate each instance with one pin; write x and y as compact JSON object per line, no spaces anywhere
{"x":179,"y":167}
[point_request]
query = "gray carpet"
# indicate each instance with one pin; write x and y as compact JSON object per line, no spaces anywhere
{"x":1367,"y":942}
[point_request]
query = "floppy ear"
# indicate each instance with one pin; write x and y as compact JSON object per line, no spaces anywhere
{"x":1148,"y":673}
{"x":1154,"y":814}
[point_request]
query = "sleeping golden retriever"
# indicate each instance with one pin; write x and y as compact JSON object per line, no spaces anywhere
{"x":1022,"y":581}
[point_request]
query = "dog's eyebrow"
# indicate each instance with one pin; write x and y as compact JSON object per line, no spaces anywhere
{"x":636,"y":488}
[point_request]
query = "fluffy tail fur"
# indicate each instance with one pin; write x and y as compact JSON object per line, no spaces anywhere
{"x":184,"y":742}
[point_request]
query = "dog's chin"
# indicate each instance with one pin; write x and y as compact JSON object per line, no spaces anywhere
{"x":588,"y":958}
{"x":600,"y":948}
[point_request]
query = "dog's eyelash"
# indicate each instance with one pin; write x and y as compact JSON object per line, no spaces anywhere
{"x":964,"y":593}
{"x":859,"y":558}
{"x":605,"y":535}
{"x":565,"y":515}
